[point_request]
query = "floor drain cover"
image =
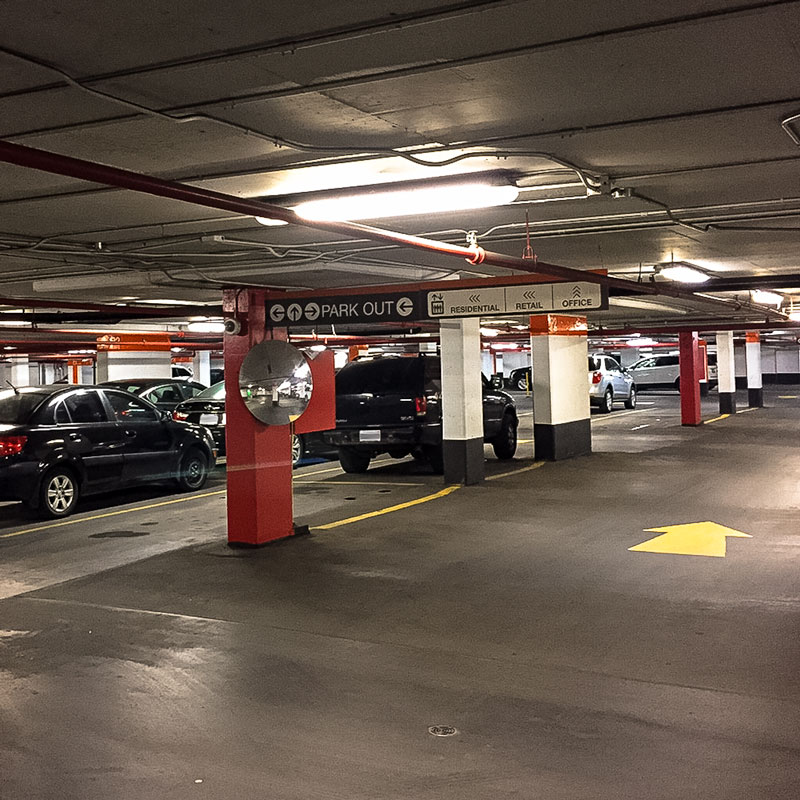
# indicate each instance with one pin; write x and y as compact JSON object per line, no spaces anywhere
{"x":384,"y":491}
{"x":442,"y":730}
{"x":349,"y":498}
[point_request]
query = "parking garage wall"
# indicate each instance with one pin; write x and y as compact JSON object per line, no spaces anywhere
{"x":778,"y":365}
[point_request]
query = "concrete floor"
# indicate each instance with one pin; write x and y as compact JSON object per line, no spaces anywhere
{"x":141,"y":658}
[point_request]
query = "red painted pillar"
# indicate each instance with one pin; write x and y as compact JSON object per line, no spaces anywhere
{"x":259,"y":456}
{"x":691,"y":372}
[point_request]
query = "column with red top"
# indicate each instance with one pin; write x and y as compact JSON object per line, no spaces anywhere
{"x":559,"y":354}
{"x":755,"y":389}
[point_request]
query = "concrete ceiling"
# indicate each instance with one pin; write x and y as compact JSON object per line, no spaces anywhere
{"x":677,"y":105}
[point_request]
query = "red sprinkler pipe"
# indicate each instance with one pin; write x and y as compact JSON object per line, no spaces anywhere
{"x":125,"y":179}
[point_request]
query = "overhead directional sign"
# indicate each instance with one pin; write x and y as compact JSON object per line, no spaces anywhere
{"x":486,"y":300}
{"x":398,"y":307}
{"x":539,"y":298}
{"x":692,"y":539}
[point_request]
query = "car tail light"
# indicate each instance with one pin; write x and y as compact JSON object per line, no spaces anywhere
{"x":597,"y":377}
{"x":180,"y":415}
{"x":421,"y":405}
{"x":11,"y":445}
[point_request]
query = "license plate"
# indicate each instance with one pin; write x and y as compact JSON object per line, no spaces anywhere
{"x":209,"y":419}
{"x":369,"y":436}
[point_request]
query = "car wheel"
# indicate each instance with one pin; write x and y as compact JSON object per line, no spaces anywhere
{"x":192,"y":471}
{"x":298,"y":449}
{"x":677,"y":384}
{"x":353,"y":460}
{"x":607,"y":404}
{"x":522,"y":383}
{"x":505,"y":443}
{"x":631,"y":401}
{"x":58,"y":493}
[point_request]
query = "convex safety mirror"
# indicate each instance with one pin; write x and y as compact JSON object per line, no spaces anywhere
{"x":275,"y":382}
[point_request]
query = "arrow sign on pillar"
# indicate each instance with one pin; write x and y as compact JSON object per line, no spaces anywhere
{"x":692,"y":539}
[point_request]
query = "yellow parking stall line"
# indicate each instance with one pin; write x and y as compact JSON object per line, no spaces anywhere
{"x":389,"y":510}
{"x":76,"y":520}
{"x":319,"y":472}
{"x":334,"y":482}
{"x":787,"y":397}
{"x":715,"y":419}
{"x":516,"y":471}
{"x":745,"y":410}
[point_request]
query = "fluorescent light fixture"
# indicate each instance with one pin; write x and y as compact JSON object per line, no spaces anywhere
{"x":402,"y":202}
{"x":270,"y":222}
{"x":765,"y":298}
{"x":209,"y":326}
{"x":490,"y":332}
{"x":683,"y":273}
{"x":318,"y":348}
{"x":171,"y":302}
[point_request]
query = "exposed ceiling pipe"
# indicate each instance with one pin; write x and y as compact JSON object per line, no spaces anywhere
{"x":81,"y":169}
{"x":118,"y":311}
{"x":701,"y":326}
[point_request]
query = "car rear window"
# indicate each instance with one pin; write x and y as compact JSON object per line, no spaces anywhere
{"x":133,"y":388}
{"x":381,"y":376}
{"x":16,"y":409}
{"x":594,"y":364}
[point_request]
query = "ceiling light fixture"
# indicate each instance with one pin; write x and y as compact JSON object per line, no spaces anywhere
{"x":682,"y":273}
{"x":209,"y":326}
{"x":402,"y":198}
{"x":765,"y":298}
{"x":403,"y":202}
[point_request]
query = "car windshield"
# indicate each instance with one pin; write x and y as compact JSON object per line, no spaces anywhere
{"x":16,"y":408}
{"x":379,"y":376}
{"x":215,"y":392}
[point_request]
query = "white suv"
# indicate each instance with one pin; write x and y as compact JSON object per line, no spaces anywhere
{"x":663,"y":371}
{"x":609,"y":382}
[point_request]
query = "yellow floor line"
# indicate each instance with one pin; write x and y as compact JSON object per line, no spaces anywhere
{"x":76,"y":520}
{"x":328,"y":482}
{"x":787,"y":397}
{"x":515,"y":471}
{"x":745,"y":410}
{"x":715,"y":419}
{"x":389,"y":510}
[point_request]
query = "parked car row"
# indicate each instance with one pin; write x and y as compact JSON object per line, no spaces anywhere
{"x":58,"y":443}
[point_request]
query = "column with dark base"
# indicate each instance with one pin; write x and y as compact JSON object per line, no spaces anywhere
{"x":726,"y":373}
{"x":690,"y":378}
{"x":559,"y":353}
{"x":755,"y":390}
{"x":462,"y":410}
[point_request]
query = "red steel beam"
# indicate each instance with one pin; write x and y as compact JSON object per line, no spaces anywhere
{"x":81,"y":169}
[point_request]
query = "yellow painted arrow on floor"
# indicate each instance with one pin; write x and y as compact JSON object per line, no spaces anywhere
{"x":692,"y":539}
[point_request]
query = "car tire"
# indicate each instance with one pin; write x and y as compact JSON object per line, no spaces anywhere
{"x":522,"y":383}
{"x":192,"y":471}
{"x":298,"y":449}
{"x":677,"y":384}
{"x":505,"y":443}
{"x":58,"y":493}
{"x":353,"y":460}
{"x":607,"y":403}
{"x":631,"y":401}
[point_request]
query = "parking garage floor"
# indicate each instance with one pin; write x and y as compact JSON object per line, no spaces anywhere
{"x":142,"y":658}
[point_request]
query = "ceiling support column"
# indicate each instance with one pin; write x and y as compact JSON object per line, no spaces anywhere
{"x":259,"y":471}
{"x":562,"y":425}
{"x":462,"y":412}
{"x":20,"y":372}
{"x":690,"y":373}
{"x":201,"y":367}
{"x":752,"y":351}
{"x":726,"y":373}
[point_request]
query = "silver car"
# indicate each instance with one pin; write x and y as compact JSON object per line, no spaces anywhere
{"x":609,"y":382}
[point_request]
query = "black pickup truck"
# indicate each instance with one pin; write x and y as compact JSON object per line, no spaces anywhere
{"x":393,"y":405}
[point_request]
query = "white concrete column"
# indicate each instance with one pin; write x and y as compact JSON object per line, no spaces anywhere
{"x":752,"y":348}
{"x":561,"y":414}
{"x":114,"y":365}
{"x":201,"y":367}
{"x":462,"y":401}
{"x":20,"y":372}
{"x":726,"y":373}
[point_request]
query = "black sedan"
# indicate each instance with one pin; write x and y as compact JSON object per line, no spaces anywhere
{"x":163,"y":393}
{"x":59,"y":442}
{"x":208,"y":409}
